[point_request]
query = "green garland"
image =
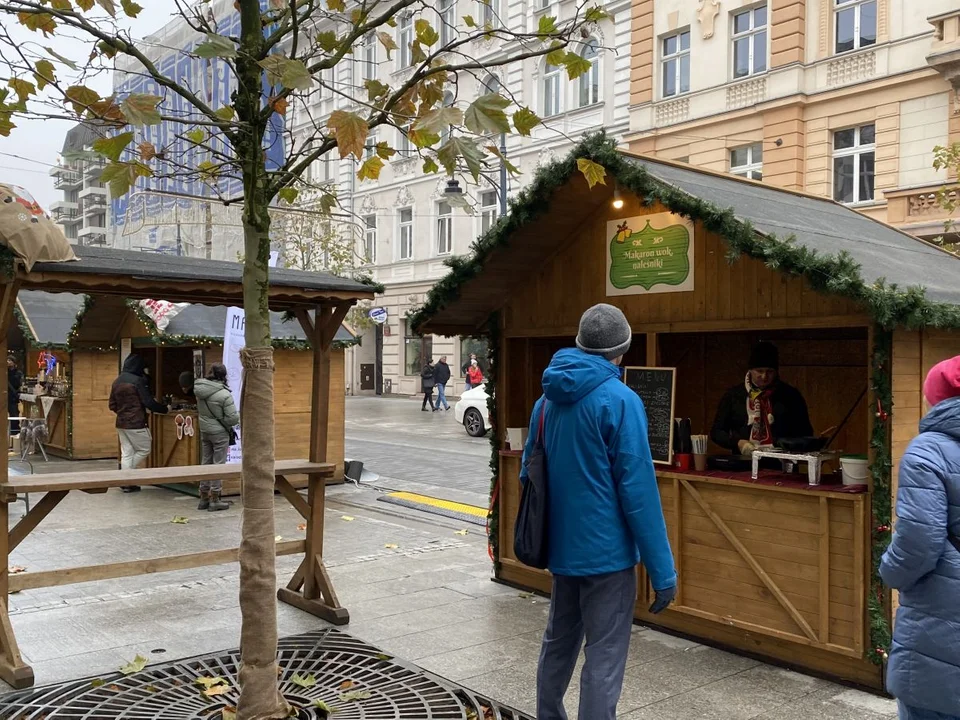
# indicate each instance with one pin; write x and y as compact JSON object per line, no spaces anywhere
{"x":493,"y":514}
{"x":880,"y":469}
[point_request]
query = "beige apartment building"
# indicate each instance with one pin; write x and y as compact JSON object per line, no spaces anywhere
{"x":842,"y":98}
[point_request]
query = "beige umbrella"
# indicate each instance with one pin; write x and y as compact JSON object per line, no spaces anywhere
{"x":28,"y":231}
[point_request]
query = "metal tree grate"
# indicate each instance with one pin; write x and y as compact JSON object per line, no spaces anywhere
{"x":383,"y":688}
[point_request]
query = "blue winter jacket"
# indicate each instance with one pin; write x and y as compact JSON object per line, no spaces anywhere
{"x":924,"y":667}
{"x":605,"y":513}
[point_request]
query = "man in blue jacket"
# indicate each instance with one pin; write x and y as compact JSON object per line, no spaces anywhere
{"x":604,"y":516}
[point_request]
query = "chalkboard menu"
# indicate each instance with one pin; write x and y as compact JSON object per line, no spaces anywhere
{"x":655,"y":386}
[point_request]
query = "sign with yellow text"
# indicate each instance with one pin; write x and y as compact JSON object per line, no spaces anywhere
{"x":649,"y":254}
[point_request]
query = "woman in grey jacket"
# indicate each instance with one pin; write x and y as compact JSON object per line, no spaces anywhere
{"x":218,"y":416}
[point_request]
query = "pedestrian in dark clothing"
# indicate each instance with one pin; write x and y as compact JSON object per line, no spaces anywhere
{"x":130,"y":399}
{"x":923,"y":560}
{"x":762,"y":409}
{"x":218,"y":417}
{"x":441,"y":376}
{"x":14,"y":383}
{"x":604,"y":515}
{"x":426,"y":385}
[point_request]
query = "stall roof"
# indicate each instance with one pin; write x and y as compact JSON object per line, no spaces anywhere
{"x":209,"y":321}
{"x":108,"y":271}
{"x":791,"y":225}
{"x":48,"y":318}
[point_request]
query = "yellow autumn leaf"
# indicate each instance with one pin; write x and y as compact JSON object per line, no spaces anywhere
{"x":593,"y":172}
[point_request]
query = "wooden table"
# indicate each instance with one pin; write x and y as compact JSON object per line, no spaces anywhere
{"x":309,"y":589}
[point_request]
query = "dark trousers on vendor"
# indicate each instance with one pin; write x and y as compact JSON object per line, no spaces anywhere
{"x":598,"y":608}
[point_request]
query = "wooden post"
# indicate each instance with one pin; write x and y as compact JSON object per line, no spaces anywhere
{"x":318,"y":596}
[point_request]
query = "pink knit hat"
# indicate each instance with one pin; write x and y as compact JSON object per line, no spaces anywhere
{"x":943,"y":381}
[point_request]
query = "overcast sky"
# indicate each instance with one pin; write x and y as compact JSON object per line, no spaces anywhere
{"x":35,"y":144}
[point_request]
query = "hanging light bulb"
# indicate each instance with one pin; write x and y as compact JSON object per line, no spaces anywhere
{"x":617,"y":199}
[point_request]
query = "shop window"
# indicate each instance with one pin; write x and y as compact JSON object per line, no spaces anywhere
{"x":590,"y":81}
{"x":853,"y":164}
{"x":444,"y":228}
{"x":856,"y":24}
{"x":750,"y":42}
{"x":406,"y":233}
{"x":417,"y":349}
{"x":747,"y":161}
{"x":675,"y":62}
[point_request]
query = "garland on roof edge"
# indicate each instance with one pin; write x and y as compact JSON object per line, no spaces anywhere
{"x":493,"y":513}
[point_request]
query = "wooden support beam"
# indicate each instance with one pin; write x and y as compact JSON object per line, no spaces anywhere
{"x":296,"y":582}
{"x":13,"y":670}
{"x":306,"y":322}
{"x":824,"y":578}
{"x":332,"y":324}
{"x":333,"y":615}
{"x":33,"y":518}
{"x":293,"y":497}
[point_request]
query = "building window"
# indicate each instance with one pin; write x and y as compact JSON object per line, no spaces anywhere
{"x":473,"y":346}
{"x":417,"y":349}
{"x":370,"y":239}
{"x":406,"y":233}
{"x":750,"y":42}
{"x":489,"y":210}
{"x":444,"y":228}
{"x":853,"y":160}
{"x":590,"y":80}
{"x":491,"y":85}
{"x":676,"y":64}
{"x":370,"y":145}
{"x":490,"y":13}
{"x":448,"y":21}
{"x":856,"y":22}
{"x":368,"y":57}
{"x":551,"y":89}
{"x":405,"y":41}
{"x":747,"y":161}
{"x":404,"y":148}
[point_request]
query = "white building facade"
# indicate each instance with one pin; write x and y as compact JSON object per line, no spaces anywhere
{"x":83,"y":210}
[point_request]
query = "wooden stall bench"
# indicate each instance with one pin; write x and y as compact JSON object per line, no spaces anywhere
{"x":704,"y":265}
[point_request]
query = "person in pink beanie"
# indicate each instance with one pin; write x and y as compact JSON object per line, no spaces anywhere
{"x":923,"y":560}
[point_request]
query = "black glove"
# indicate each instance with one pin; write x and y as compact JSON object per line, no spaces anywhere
{"x":663,"y":599}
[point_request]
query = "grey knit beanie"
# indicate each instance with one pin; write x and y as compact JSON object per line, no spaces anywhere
{"x":604,"y":331}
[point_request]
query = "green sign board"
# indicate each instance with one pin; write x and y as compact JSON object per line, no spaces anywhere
{"x":650,"y":254}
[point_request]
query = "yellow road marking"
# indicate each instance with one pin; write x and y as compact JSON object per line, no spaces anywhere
{"x":474,"y":510}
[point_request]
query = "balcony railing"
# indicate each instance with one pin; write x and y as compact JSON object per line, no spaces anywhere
{"x":67,"y":178}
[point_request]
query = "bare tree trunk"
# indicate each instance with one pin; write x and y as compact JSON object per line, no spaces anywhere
{"x":260,"y":697}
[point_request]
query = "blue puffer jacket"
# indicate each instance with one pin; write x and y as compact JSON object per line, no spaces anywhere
{"x":924,"y":667}
{"x":605,"y":512}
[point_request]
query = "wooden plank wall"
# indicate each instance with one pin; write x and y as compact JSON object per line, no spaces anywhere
{"x":725,"y":295}
{"x":94,"y":433}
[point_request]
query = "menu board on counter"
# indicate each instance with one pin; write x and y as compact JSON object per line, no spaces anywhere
{"x":656,"y":387}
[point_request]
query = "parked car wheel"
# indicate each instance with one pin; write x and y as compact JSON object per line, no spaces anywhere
{"x":473,"y":423}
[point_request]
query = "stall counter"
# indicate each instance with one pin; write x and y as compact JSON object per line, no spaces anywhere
{"x":772,"y":566}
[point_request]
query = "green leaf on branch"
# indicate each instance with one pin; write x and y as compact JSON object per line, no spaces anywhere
{"x":107,"y":50}
{"x":109,"y":6}
{"x":525,"y":120}
{"x":459,"y":147}
{"x":350,"y":131}
{"x":225,"y":113}
{"x":440,"y":119}
{"x":196,"y":136}
{"x":386,"y":39}
{"x":425,"y":32}
{"x":336,"y":5}
{"x":596,"y":14}
{"x":216,"y":46}
{"x":61,"y":5}
{"x":417,"y":52}
{"x":208,"y":171}
{"x":511,"y":168}
{"x":370,"y":170}
{"x":430,"y":166}
{"x":108,"y":111}
{"x":327,"y":40}
{"x":141,"y":109}
{"x":431,"y":93}
{"x":85,"y":5}
{"x":375,"y":89}
{"x":130,"y":8}
{"x":469,"y":21}
{"x":43,"y":22}
{"x":385,"y":151}
{"x":44,"y":73}
{"x":23,"y":88}
{"x":423,"y":138}
{"x":328,"y":201}
{"x":547,"y":25}
{"x":288,"y":194}
{"x":289,"y":73}
{"x":66,"y":61}
{"x":486,"y":114}
{"x":593,"y":172}
{"x":112,"y":147}
{"x":557,"y":54}
{"x":81,"y":97}
{"x":576,"y":65}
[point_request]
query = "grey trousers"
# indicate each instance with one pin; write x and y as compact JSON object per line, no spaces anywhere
{"x":600,"y":609}
{"x":213,"y":452}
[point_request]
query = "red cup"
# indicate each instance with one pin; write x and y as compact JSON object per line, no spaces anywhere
{"x":682,"y":461}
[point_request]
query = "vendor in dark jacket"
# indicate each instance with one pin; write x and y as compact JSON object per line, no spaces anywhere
{"x":761,"y":410}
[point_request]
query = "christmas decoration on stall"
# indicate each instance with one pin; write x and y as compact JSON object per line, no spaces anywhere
{"x":881,"y":467}
{"x":493,"y":367}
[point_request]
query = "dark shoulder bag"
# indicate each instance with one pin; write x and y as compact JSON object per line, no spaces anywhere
{"x":530,"y":532}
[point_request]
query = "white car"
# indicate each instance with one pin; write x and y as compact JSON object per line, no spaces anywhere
{"x":471,"y":412}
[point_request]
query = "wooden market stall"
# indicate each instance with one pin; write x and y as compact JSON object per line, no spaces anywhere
{"x":319,"y":301}
{"x":703,"y":265}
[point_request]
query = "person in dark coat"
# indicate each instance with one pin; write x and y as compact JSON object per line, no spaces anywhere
{"x":130,"y":399}
{"x":923,"y":560}
{"x":14,"y":383}
{"x":426,"y":385}
{"x":761,"y":410}
{"x":441,"y":376}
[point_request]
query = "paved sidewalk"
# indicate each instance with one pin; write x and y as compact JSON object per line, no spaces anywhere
{"x":428,"y":600}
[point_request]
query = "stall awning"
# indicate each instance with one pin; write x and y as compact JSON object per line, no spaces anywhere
{"x":47,"y":318}
{"x":792,"y":232}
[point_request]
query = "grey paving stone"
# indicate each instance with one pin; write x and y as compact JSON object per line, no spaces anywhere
{"x":486,"y":657}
